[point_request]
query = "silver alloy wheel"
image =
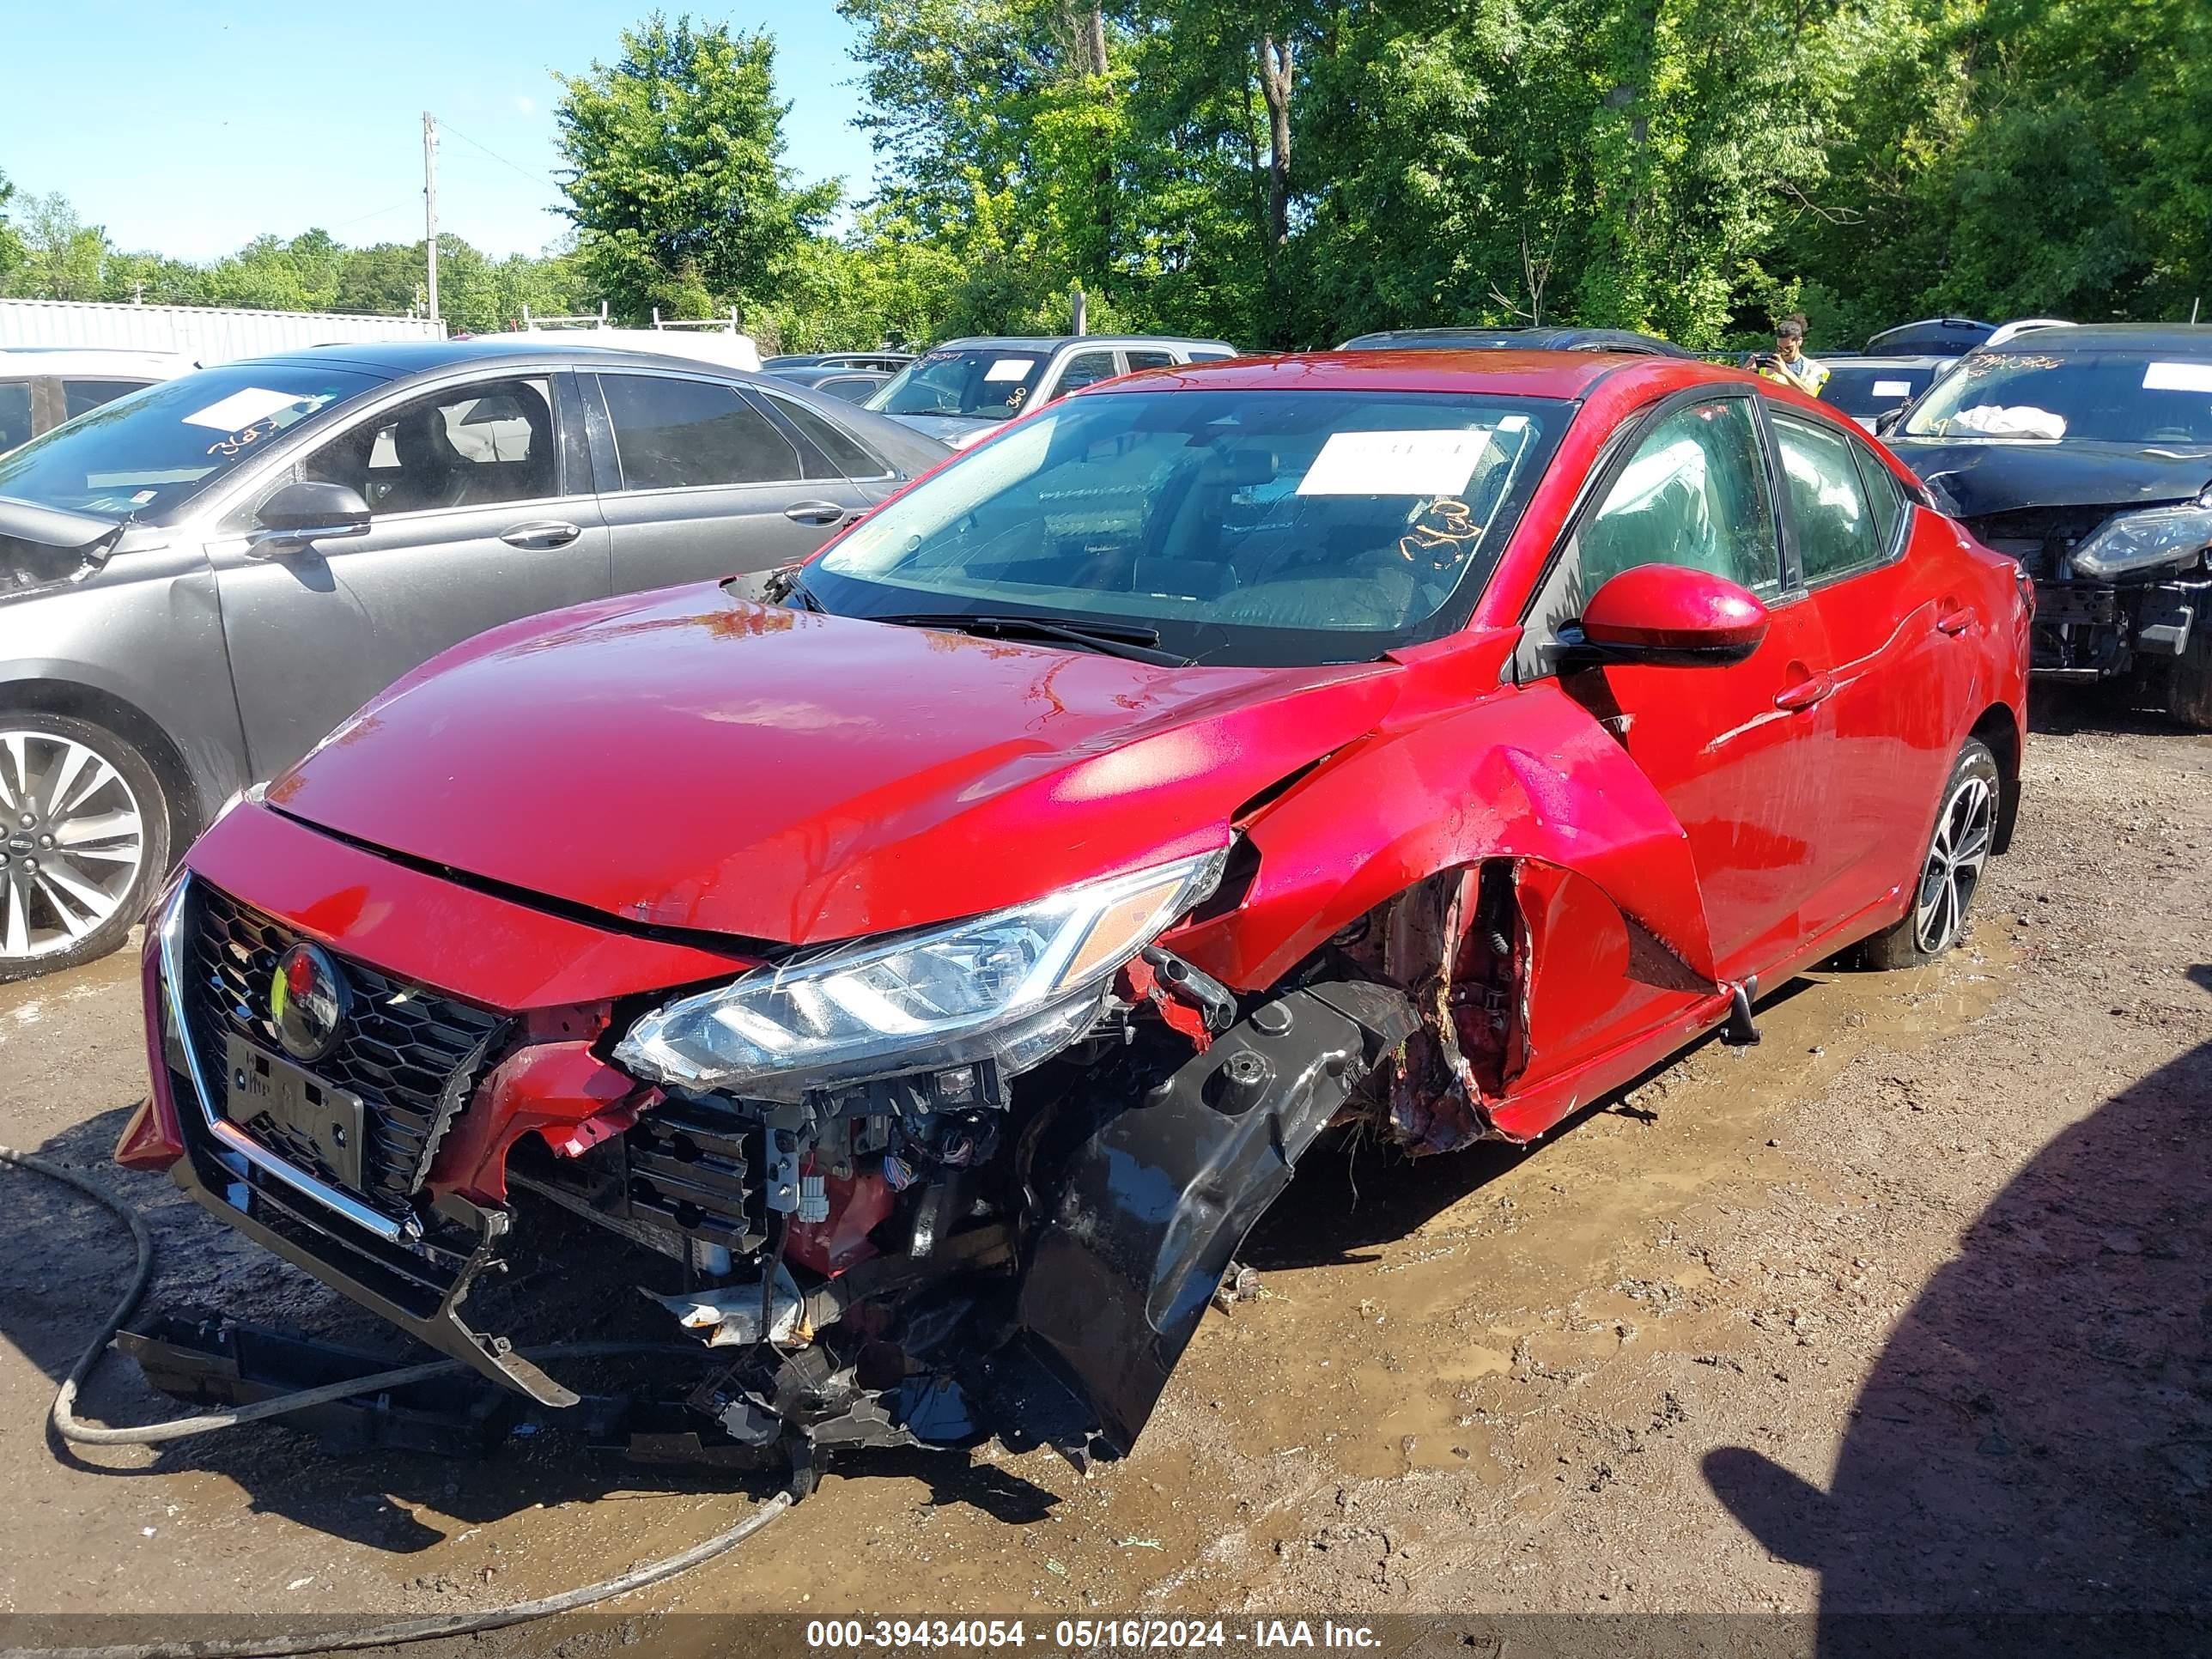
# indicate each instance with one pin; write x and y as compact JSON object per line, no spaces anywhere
{"x":72,"y":841}
{"x":1956,"y":858}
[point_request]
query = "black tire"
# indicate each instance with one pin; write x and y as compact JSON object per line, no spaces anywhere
{"x":1951,"y":870}
{"x":2188,"y":679}
{"x":83,"y":904}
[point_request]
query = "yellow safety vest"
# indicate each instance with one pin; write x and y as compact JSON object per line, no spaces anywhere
{"x":1807,"y":376}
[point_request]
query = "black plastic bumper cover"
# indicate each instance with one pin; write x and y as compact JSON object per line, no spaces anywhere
{"x":1156,"y":1201}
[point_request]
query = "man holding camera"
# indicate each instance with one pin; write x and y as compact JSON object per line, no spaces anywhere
{"x":1788,"y":362}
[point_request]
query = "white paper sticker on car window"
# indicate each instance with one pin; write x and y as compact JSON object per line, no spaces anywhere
{"x":2178,"y":377}
{"x":1430,"y":463}
{"x":242,"y":408}
{"x":1512,"y":422}
{"x":1892,"y":388}
{"x":1009,"y":368}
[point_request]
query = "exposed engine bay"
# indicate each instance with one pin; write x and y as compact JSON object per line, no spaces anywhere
{"x":936,"y":1257}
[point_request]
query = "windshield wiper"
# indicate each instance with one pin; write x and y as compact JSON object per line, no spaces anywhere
{"x":1130,"y":641}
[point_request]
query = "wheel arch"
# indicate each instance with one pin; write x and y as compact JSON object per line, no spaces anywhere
{"x":1999,"y":726}
{"x":77,"y":700}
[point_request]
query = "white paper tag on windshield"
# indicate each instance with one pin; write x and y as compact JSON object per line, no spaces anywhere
{"x":1892,"y":388}
{"x":243,"y":408}
{"x":1395,"y":464}
{"x":1009,"y":368}
{"x":2178,"y":377}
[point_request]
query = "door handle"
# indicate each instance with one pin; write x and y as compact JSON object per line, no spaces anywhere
{"x":1954,"y":622}
{"x":814,"y":511}
{"x":1805,"y":693}
{"x":541,"y":534}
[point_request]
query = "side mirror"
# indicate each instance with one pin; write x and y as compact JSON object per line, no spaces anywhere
{"x":1886,"y":422}
{"x":300,"y":513}
{"x":1666,"y":615}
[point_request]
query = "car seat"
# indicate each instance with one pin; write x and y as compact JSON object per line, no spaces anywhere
{"x":432,"y":472}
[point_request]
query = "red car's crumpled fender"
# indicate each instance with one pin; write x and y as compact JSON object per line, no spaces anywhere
{"x":1526,"y":773}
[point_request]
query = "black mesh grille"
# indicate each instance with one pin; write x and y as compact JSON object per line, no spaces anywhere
{"x":403,"y":1044}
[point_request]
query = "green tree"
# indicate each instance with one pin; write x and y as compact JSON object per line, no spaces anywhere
{"x":674,"y":173}
{"x":12,"y":251}
{"x":2020,"y":157}
{"x":386,"y":279}
{"x":62,"y":256}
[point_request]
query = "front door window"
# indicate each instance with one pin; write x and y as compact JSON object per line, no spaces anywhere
{"x":1695,"y":495}
{"x":475,"y":446}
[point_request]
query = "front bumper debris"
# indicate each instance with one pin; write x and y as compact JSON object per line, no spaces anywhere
{"x":2097,"y":630}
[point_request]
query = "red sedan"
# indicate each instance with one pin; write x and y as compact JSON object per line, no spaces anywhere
{"x":928,"y":970}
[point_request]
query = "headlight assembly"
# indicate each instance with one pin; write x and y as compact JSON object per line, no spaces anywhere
{"x":1017,"y":986}
{"x":2142,"y":541}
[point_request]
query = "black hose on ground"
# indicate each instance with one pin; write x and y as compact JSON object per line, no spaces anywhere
{"x":70,"y":1427}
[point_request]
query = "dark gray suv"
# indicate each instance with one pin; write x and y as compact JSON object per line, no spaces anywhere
{"x":199,"y":580}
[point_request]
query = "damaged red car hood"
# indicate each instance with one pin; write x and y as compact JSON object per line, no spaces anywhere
{"x":693,"y":762}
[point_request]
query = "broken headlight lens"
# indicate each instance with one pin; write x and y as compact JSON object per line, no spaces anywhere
{"x":1017,"y":986}
{"x":2142,"y":541}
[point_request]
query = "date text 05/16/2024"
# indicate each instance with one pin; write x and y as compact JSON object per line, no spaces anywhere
{"x":1083,"y":1635}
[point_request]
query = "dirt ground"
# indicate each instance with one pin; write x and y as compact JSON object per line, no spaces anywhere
{"x":1909,"y":1308}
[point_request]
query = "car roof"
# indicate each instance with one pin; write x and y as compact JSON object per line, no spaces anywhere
{"x":1508,"y":373}
{"x":1560,"y":338}
{"x":1053,"y":342}
{"x":1952,"y":336}
{"x":396,"y":357}
{"x":2106,"y":336}
{"x":58,"y":360}
{"x":1884,"y":360}
{"x":814,"y":373}
{"x":828,"y":359}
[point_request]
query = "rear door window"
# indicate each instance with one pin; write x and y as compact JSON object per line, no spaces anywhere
{"x":1885,"y":496}
{"x":1828,"y":508}
{"x":15,"y":414}
{"x":676,"y":433}
{"x":1151,"y":360}
{"x":844,"y":454}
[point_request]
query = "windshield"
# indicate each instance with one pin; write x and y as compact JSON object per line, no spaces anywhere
{"x":1255,"y":527}
{"x":1860,"y":391}
{"x":2113,"y":397}
{"x":158,"y":447}
{"x":980,"y":382}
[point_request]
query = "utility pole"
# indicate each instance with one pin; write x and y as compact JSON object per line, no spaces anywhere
{"x":430,"y":202}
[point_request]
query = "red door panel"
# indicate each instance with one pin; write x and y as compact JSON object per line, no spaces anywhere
{"x":1738,"y":754}
{"x":1903,"y":642}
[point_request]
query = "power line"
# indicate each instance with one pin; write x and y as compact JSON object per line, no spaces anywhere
{"x":373,"y":213}
{"x":544,"y":181}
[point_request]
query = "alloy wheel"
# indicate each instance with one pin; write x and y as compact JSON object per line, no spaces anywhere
{"x":1964,"y":833}
{"x":72,"y":842}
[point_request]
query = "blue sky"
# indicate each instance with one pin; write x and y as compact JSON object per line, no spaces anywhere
{"x":188,"y":131}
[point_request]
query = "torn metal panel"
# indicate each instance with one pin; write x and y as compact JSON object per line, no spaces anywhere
{"x":1523,"y":970}
{"x":1532,"y":777}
